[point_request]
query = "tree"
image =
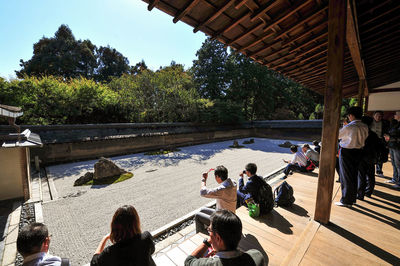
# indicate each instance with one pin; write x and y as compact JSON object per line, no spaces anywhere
{"x":61,"y":55}
{"x":209,"y":69}
{"x":138,"y":68}
{"x":64,"y":56}
{"x":252,"y":85}
{"x":110,"y":63}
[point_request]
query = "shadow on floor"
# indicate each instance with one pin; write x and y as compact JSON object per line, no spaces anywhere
{"x":298,"y":210}
{"x":249,"y":241}
{"x":276,"y":220}
{"x":368,"y":246}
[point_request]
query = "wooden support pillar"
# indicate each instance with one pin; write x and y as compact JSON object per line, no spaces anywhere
{"x":360,"y":96}
{"x":332,"y":105}
{"x":366,"y":104}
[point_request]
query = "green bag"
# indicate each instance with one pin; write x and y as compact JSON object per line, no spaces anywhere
{"x":254,"y":209}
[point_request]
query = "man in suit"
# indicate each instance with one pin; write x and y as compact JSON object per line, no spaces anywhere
{"x":380,"y":127}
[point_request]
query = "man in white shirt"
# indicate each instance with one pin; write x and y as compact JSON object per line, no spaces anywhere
{"x":352,"y":139}
{"x":298,"y":163}
{"x":225,"y":195}
{"x":33,"y":244}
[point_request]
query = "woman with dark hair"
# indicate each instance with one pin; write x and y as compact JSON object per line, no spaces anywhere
{"x":130,"y":246}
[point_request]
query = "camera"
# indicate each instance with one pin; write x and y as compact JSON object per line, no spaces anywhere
{"x":244,"y":171}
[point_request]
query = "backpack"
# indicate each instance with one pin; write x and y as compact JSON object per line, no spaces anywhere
{"x":310,"y":165}
{"x":284,"y":195}
{"x":265,"y":197}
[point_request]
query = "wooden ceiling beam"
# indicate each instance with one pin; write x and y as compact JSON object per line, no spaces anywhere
{"x":314,"y":39}
{"x":302,"y":54}
{"x":301,"y":22}
{"x":381,"y":15}
{"x":185,"y":10}
{"x":295,"y":63}
{"x":353,"y":40}
{"x":291,"y":11}
{"x":301,"y":75}
{"x":290,"y":52}
{"x":306,"y":66}
{"x":377,"y":35}
{"x":374,"y":28}
{"x":215,"y":15}
{"x":307,"y":31}
{"x":263,"y":9}
{"x":370,"y":11}
{"x":245,"y":34}
{"x":281,"y":33}
{"x":232,"y":25}
{"x":239,"y":4}
{"x":152,"y":4}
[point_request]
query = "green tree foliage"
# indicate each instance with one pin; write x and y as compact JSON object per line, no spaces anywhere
{"x":209,"y":69}
{"x":61,"y":55}
{"x":70,"y":81}
{"x":64,"y":56}
{"x":251,"y":85}
{"x":110,"y":63}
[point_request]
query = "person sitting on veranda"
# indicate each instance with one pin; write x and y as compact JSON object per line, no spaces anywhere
{"x":252,"y":187}
{"x":225,"y":195}
{"x":317,"y":147}
{"x":225,"y":232}
{"x":298,"y":163}
{"x":130,"y":246}
{"x":311,"y":154}
{"x":33,"y":244}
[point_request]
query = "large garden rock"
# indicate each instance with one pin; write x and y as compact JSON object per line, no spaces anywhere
{"x":106,"y":168}
{"x":83,"y":179}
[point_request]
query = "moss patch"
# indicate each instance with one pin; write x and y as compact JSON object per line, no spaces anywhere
{"x":236,"y":147}
{"x":160,"y":152}
{"x":109,"y":180}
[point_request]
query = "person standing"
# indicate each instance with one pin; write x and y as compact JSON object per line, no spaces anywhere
{"x":393,"y":139}
{"x":352,"y":139}
{"x":225,"y":195}
{"x":380,"y":127}
{"x":366,"y":170}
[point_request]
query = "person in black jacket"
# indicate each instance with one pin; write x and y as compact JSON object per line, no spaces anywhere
{"x":393,"y":139}
{"x":130,"y":246}
{"x":251,"y":189}
{"x":366,"y":173}
{"x":381,"y":127}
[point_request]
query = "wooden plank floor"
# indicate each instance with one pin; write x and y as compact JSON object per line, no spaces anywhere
{"x":366,"y":234}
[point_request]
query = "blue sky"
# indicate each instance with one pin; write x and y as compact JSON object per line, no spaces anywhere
{"x":125,"y":25}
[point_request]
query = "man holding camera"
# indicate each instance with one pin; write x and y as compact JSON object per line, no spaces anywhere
{"x":252,"y":187}
{"x":225,"y":195}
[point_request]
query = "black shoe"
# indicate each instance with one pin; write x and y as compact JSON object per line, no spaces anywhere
{"x":338,"y":181}
{"x":284,"y":177}
{"x":291,"y":173}
{"x":360,"y":198}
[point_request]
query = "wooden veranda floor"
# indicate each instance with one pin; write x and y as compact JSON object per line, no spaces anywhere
{"x":366,"y":234}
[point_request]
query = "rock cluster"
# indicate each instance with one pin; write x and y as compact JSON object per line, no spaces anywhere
{"x":102,"y":169}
